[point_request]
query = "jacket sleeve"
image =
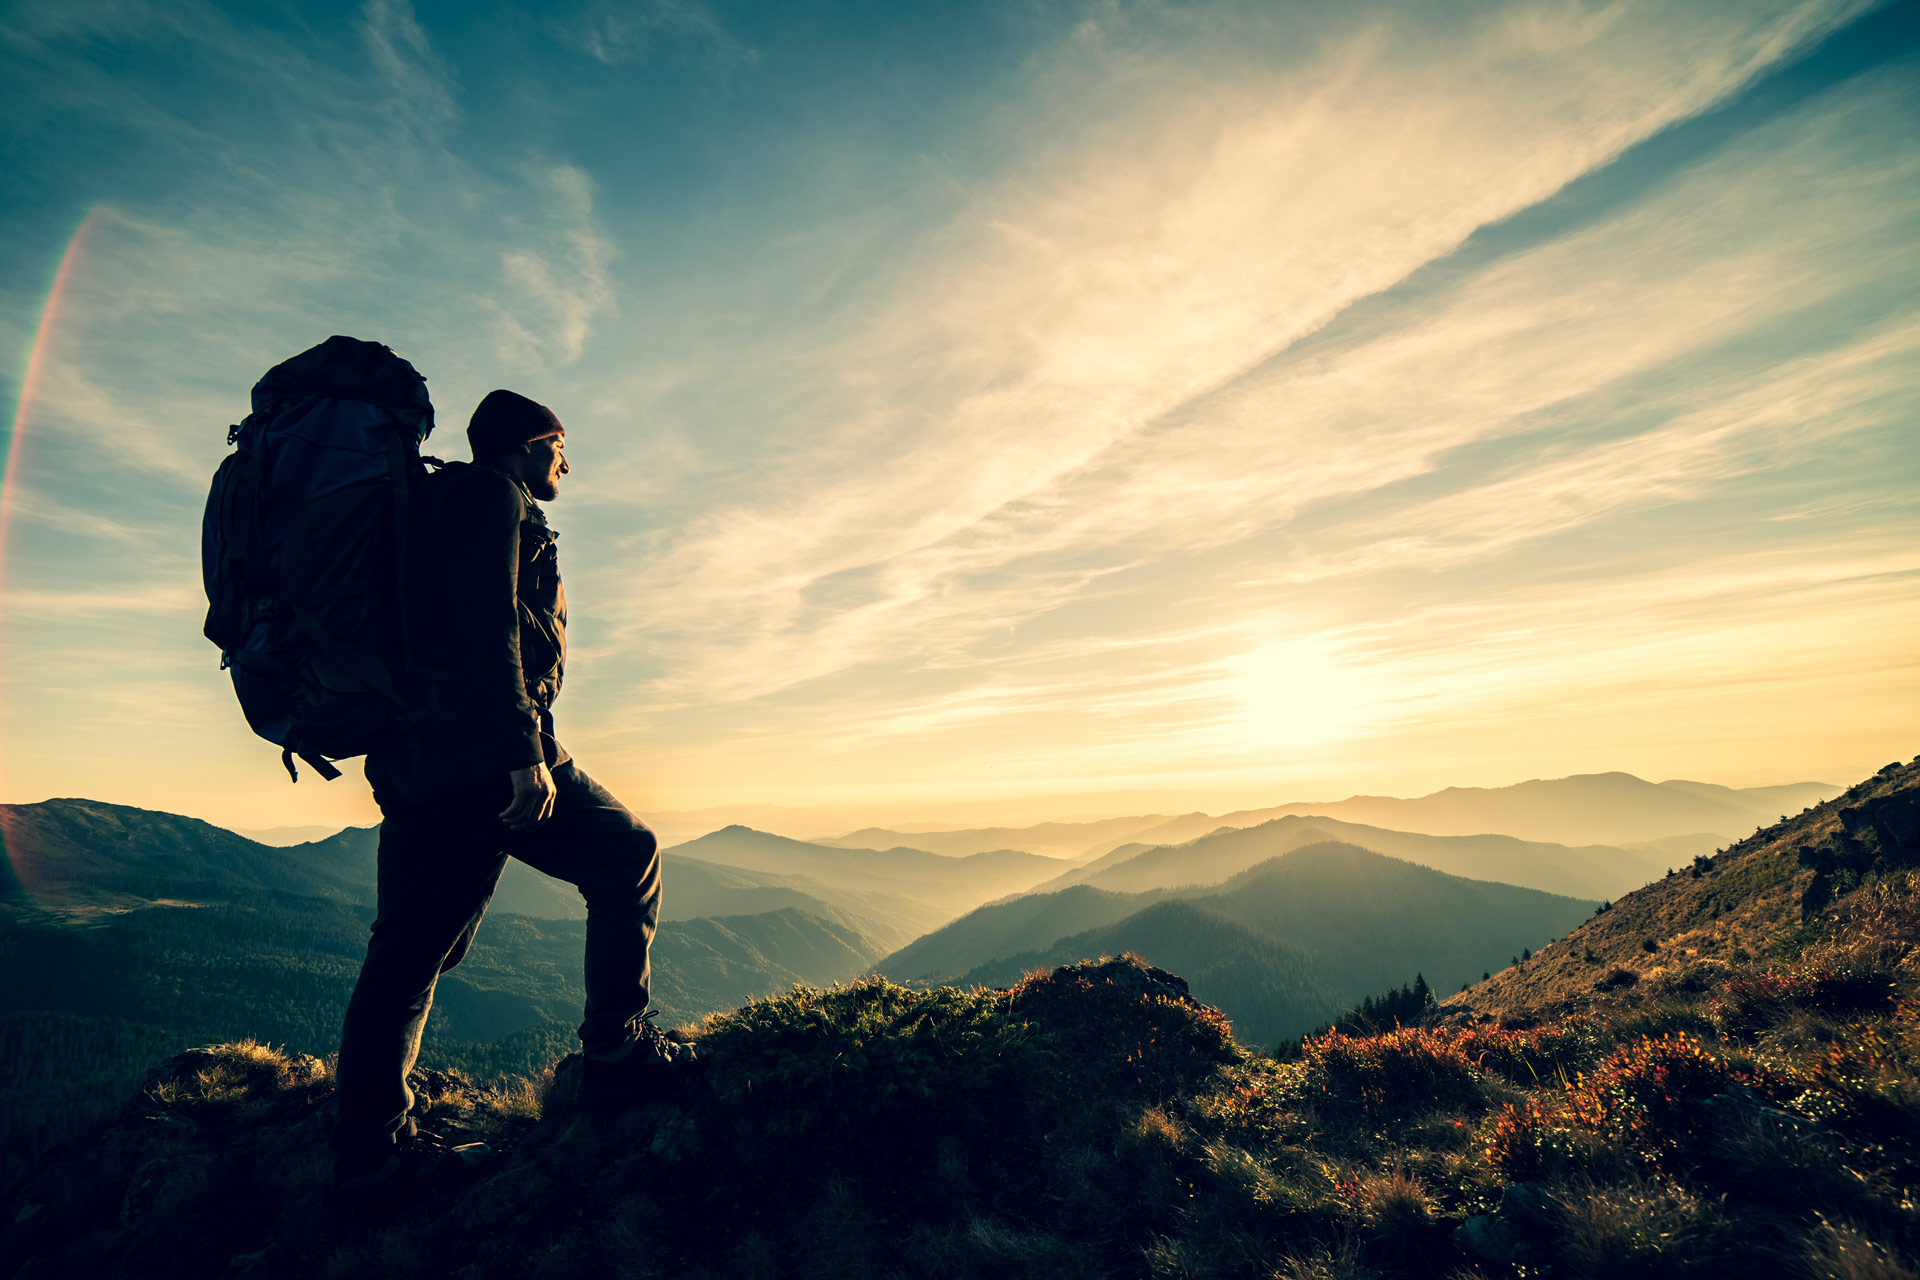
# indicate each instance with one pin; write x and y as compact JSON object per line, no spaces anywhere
{"x":480,"y":526}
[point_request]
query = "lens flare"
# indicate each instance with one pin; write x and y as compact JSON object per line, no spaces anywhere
{"x":14,"y":876}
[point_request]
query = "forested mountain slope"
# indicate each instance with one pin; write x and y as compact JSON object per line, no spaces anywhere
{"x":1267,"y":989}
{"x":1028,"y":923}
{"x":1321,"y":927}
{"x":88,"y":850}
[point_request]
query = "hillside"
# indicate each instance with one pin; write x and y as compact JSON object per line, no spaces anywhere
{"x":1595,"y":808}
{"x":87,"y":851}
{"x":1751,"y":900}
{"x":1593,"y":871}
{"x":1286,"y":945}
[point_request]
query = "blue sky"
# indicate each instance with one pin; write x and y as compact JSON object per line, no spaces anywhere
{"x":1013,"y":409}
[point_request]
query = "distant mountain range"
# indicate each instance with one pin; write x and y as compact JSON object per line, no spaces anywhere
{"x":693,"y":889}
{"x":900,"y":887}
{"x":1279,"y":948}
{"x":1675,"y":819}
{"x":1069,"y":840}
{"x":1585,"y":809}
{"x":1594,"y":872}
{"x":98,"y":882}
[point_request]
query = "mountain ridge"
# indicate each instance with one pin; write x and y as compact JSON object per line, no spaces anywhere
{"x":1595,"y":808}
{"x":1357,"y":920}
{"x":1594,"y":871}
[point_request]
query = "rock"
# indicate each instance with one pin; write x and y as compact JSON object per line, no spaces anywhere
{"x":677,"y":1139}
{"x":1506,"y":1237}
{"x":161,"y":1184}
{"x":1490,"y":1239}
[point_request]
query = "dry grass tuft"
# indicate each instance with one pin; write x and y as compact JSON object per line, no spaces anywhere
{"x":1338,"y":1262}
{"x":1839,"y":1252}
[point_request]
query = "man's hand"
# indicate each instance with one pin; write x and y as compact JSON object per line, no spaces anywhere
{"x":532,"y":798}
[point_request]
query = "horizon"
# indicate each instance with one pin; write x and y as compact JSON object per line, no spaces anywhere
{"x":812,"y":824}
{"x":991,"y":417}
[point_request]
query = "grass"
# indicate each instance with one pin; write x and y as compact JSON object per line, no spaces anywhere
{"x":1718,"y":1116}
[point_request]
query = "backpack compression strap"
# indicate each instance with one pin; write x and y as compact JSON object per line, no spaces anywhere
{"x":320,"y":765}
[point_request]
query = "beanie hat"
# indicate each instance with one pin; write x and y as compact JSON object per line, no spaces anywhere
{"x":505,"y":420}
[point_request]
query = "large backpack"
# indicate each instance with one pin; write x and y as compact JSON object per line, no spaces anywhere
{"x":304,"y":549}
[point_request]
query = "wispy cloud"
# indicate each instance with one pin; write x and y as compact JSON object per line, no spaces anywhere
{"x":553,"y":294}
{"x":1004,"y":455}
{"x":618,"y":31}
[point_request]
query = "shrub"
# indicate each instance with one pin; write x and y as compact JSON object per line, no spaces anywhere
{"x":1533,"y":1055}
{"x":877,"y":1080}
{"x":1389,"y":1074}
{"x":1615,"y":978}
{"x":1749,"y":1001}
{"x":1867,"y":1088}
{"x":1644,"y":1101}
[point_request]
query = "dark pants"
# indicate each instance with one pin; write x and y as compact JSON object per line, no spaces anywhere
{"x":441,"y":853}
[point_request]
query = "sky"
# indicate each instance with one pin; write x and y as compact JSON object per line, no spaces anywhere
{"x":1011,"y":410}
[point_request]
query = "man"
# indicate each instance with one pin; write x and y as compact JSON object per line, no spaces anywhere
{"x":479,"y":775}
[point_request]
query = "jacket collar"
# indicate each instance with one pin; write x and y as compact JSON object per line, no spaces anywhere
{"x":533,"y":506}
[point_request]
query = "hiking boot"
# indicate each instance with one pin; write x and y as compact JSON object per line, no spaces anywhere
{"x":647,"y":1068}
{"x":415,"y":1164}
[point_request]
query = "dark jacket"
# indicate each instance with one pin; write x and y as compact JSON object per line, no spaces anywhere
{"x":488,"y":618}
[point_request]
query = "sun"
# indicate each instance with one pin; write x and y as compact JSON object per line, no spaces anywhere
{"x":1298,"y":693}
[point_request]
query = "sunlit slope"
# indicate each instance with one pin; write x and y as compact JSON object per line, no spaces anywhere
{"x":1745,"y":903}
{"x":1596,"y":872}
